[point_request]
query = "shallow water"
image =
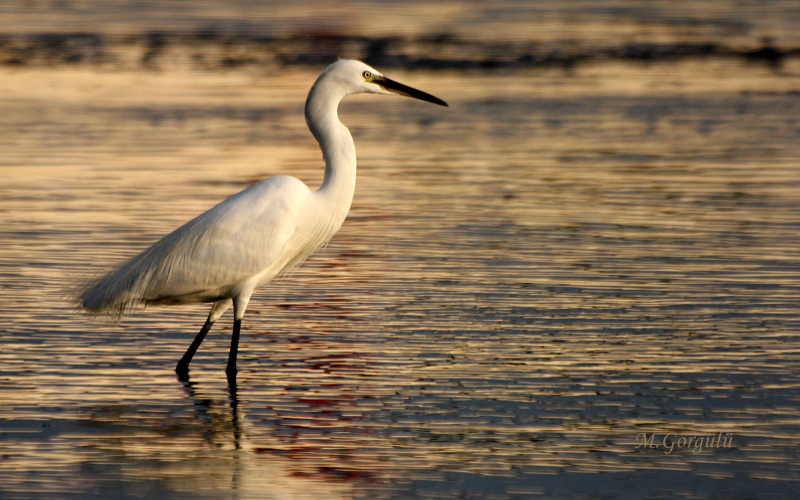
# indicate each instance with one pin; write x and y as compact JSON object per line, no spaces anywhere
{"x":530,"y":283}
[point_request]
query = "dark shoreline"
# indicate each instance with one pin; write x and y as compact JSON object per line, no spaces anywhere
{"x":211,"y":50}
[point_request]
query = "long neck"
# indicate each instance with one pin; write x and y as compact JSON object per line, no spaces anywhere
{"x":335,"y":141}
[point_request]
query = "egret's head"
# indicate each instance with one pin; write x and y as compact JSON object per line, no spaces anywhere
{"x":356,"y":77}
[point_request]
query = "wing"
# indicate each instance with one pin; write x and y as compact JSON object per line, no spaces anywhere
{"x":229,"y":244}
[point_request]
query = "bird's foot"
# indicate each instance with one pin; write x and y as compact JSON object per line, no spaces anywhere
{"x":231,"y":373}
{"x":182,"y":370}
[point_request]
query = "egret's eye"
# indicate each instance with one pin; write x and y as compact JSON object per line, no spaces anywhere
{"x":367,"y":75}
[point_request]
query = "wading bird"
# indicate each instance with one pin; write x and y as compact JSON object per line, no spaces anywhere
{"x":246,"y":241}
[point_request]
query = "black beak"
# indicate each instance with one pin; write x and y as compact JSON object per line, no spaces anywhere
{"x":399,"y":88}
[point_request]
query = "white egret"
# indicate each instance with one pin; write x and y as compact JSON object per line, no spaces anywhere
{"x":226,"y":253}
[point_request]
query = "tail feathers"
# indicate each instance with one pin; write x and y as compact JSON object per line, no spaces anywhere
{"x":109,"y":297}
{"x":139,"y":279}
{"x":119,"y":292}
{"x":103,"y":299}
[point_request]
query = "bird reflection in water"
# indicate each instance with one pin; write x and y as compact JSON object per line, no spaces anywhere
{"x":284,"y":455}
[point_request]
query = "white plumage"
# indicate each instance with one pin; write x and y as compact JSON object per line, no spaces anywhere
{"x":226,"y":253}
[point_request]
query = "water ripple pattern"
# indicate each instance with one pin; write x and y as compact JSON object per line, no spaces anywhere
{"x":550,"y":289}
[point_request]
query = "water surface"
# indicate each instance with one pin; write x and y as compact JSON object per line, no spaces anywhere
{"x":529,"y":281}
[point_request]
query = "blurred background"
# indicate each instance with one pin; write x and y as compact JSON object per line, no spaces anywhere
{"x":598,"y":241}
{"x":457,"y":35}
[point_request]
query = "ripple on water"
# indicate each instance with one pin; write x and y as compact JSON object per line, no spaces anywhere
{"x":506,"y":314}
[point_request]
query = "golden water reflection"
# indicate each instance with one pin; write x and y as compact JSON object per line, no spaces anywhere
{"x":526,"y":282}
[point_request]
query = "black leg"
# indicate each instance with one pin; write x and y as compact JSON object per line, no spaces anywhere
{"x":231,"y":369}
{"x":183,"y":365}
